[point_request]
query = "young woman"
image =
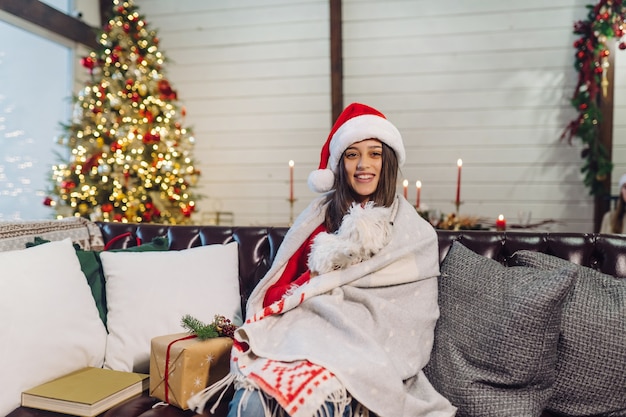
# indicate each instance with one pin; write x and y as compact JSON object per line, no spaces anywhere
{"x":343,"y":322}
{"x":613,"y":221}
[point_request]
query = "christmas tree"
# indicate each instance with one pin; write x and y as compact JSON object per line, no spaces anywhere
{"x":130,"y":158}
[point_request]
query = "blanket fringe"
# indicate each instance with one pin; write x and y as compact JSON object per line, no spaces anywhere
{"x":199,"y":400}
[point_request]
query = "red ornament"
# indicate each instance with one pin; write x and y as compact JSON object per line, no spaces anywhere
{"x":598,"y":70}
{"x":187,"y":210}
{"x":68,"y":185}
{"x":115,"y":146}
{"x":88,"y":62}
{"x":47,"y":201}
{"x":622,"y":45}
{"x":580,"y":55}
{"x":118,"y":217}
{"x":167,"y":93}
{"x":107,"y":207}
{"x":126,"y":27}
{"x":582,"y":106}
{"x":150,"y":138}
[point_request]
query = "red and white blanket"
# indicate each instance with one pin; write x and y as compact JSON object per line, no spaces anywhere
{"x":362,"y":333}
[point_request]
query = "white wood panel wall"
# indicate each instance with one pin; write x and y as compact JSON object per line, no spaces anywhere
{"x":486,"y":81}
{"x":619,"y":120}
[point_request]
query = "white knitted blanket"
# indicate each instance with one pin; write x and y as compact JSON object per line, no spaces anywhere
{"x":364,"y":332}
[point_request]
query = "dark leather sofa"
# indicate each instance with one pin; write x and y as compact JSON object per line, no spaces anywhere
{"x":258,"y":246}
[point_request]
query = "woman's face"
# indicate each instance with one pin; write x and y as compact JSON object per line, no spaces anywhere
{"x":363,"y":162}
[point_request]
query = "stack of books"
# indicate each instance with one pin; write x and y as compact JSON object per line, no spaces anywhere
{"x":87,"y":392}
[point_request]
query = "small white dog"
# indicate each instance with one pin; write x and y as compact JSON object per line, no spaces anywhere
{"x":364,"y":231}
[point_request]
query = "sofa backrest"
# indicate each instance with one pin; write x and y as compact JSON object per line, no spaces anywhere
{"x":258,"y":245}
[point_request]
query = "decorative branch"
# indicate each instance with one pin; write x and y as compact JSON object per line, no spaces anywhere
{"x":604,"y":21}
{"x":220,"y":327}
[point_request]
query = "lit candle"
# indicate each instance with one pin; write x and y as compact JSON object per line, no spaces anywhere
{"x":418,"y":185}
{"x":501,"y":222}
{"x":291,"y":164}
{"x":459,"y":164}
{"x":405,"y":184}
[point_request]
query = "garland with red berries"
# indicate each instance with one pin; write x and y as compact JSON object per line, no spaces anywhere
{"x":604,"y":21}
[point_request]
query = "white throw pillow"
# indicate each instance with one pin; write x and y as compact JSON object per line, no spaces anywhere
{"x":148,"y":293}
{"x":48,"y":319}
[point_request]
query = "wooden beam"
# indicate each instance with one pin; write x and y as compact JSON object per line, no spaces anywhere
{"x":602,"y":201}
{"x":106,"y":7}
{"x":53,"y":20}
{"x":336,"y":59}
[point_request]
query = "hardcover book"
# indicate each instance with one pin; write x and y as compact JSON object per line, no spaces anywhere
{"x":86,"y":392}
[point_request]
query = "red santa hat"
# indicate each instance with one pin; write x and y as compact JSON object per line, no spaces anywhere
{"x":356,"y":123}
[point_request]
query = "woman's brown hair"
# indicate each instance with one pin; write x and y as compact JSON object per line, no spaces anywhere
{"x":617,"y":218}
{"x":340,"y":200}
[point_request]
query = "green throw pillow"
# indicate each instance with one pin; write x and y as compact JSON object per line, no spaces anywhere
{"x":91,"y":266}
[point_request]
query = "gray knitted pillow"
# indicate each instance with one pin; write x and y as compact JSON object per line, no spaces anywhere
{"x":496,"y":340}
{"x":591,"y":368}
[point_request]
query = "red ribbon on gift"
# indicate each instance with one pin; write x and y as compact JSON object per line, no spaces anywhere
{"x":167,"y":363}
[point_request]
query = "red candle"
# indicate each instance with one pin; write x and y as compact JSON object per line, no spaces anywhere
{"x":501,"y":222}
{"x":405,"y":184}
{"x":418,"y":185}
{"x":291,"y":164}
{"x":459,"y":164}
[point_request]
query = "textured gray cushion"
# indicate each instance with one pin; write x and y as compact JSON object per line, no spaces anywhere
{"x":496,"y":340}
{"x":591,"y":368}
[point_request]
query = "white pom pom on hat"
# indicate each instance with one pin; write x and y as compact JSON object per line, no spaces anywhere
{"x":357,"y":122}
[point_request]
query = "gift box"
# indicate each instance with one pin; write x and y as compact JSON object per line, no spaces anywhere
{"x":182,"y":365}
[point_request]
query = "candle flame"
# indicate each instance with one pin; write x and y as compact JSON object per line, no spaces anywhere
{"x":501,"y":217}
{"x":459,"y":162}
{"x":418,"y":184}
{"x":405,"y":183}
{"x":291,"y":163}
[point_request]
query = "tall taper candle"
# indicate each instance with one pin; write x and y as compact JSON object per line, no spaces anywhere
{"x":291,"y":164}
{"x":405,"y":185}
{"x":418,"y":185}
{"x":459,"y":164}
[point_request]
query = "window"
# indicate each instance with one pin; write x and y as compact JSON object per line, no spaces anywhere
{"x":35,"y":91}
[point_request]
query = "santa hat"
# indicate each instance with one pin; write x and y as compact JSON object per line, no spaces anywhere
{"x":356,"y":123}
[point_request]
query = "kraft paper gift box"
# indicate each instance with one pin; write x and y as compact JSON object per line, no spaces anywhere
{"x":193,"y":365}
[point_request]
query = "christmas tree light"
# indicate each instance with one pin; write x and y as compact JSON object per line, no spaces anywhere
{"x":130,"y":157}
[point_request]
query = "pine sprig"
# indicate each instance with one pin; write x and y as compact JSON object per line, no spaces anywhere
{"x":220,"y":327}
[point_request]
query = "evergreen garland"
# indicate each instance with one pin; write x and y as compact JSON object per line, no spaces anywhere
{"x":605,"y":20}
{"x":220,"y":327}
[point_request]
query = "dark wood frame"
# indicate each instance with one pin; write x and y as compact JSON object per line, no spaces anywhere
{"x":336,"y":59}
{"x":602,"y":203}
{"x":51,"y":19}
